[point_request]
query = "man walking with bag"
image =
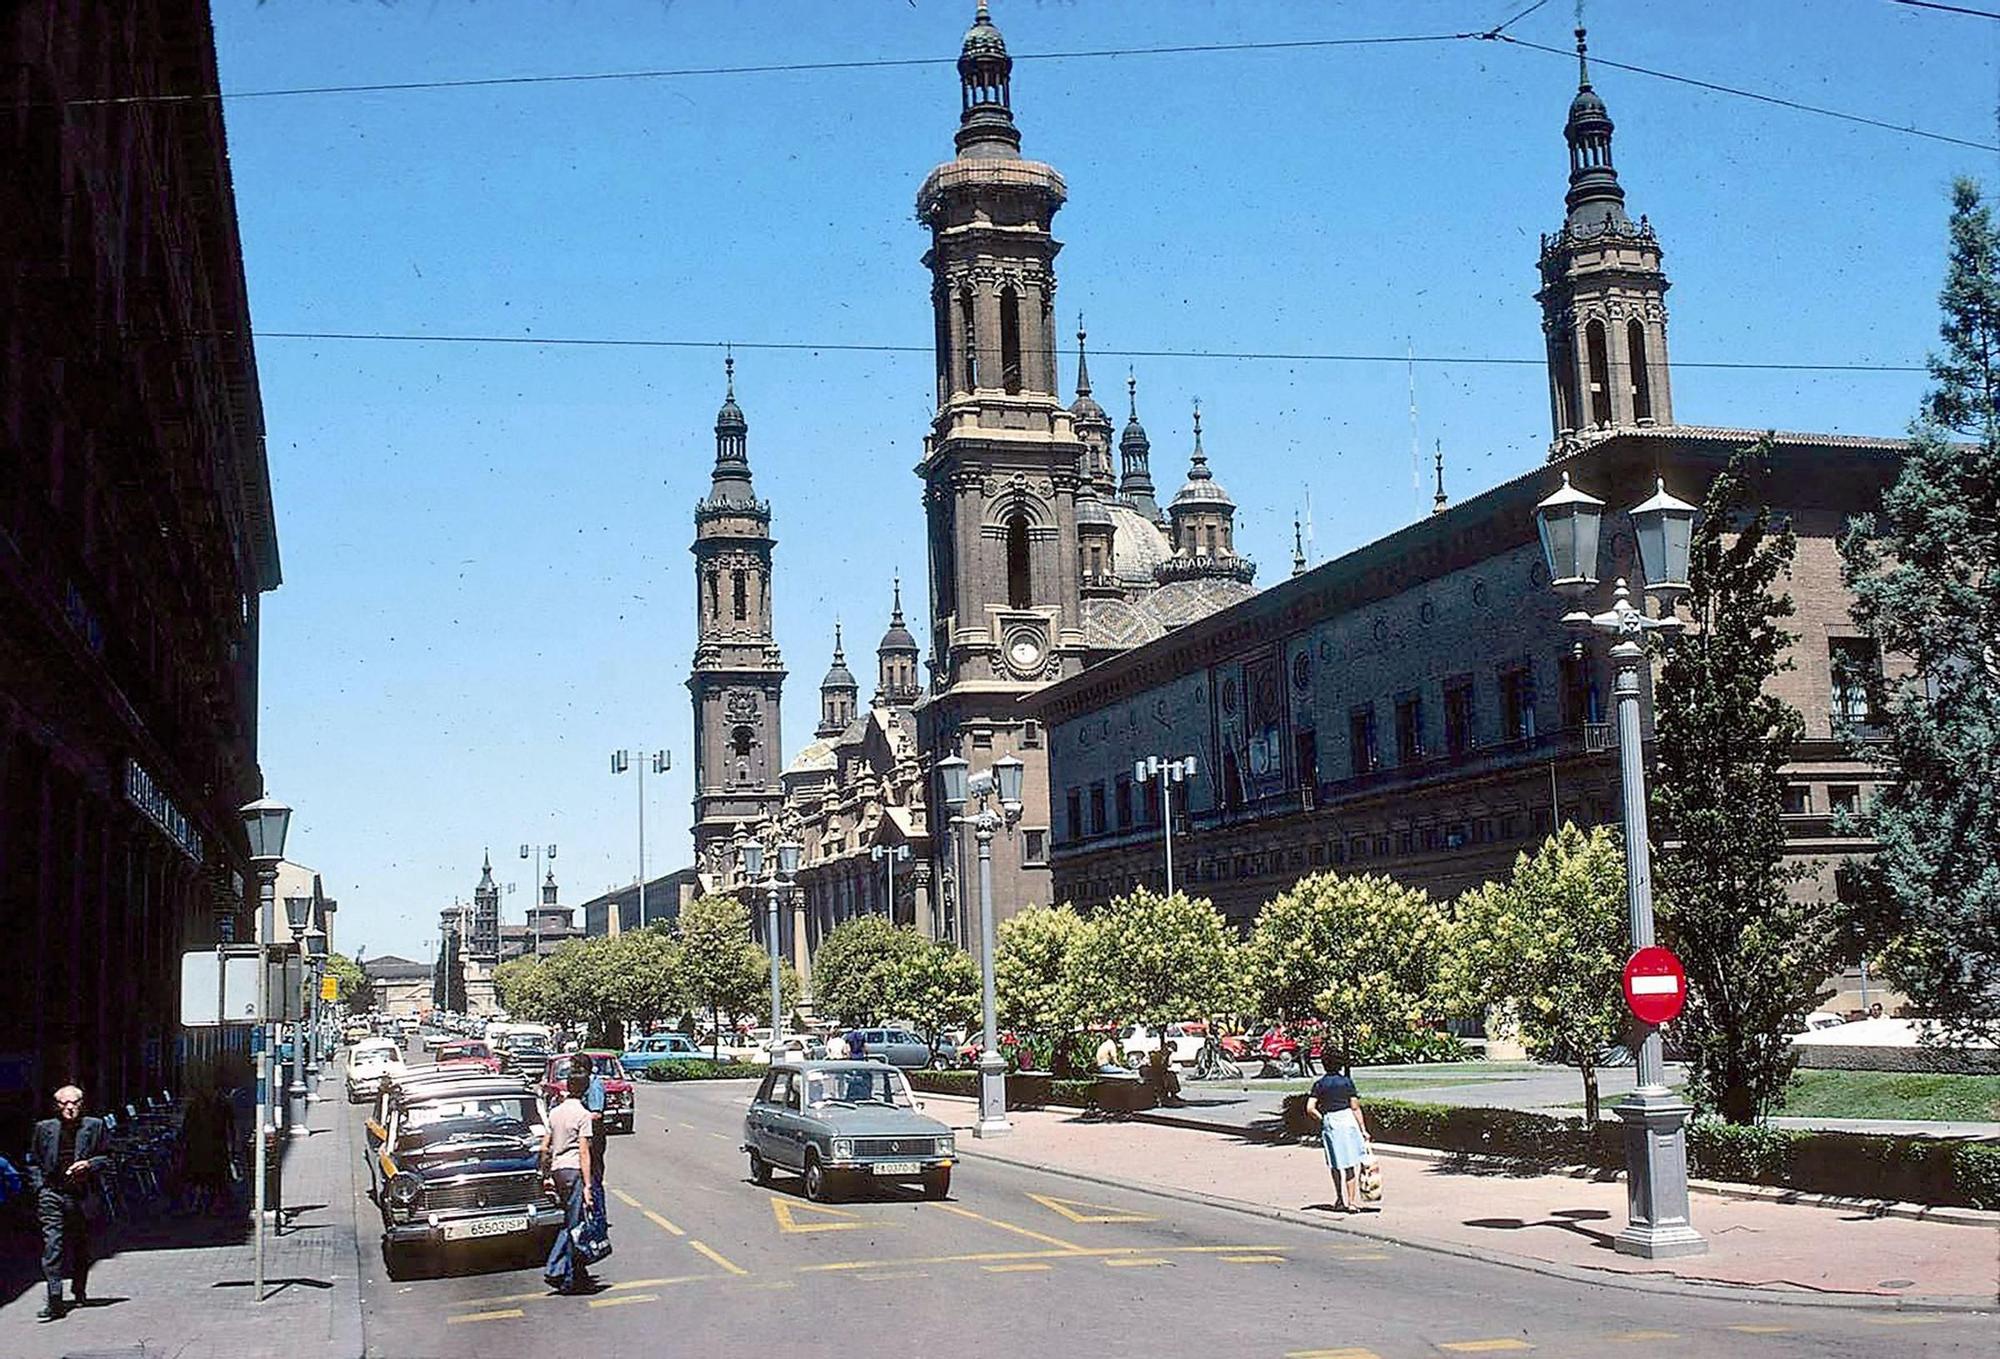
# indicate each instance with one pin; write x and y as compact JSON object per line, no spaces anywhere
{"x":566,"y":1159}
{"x":67,"y":1154}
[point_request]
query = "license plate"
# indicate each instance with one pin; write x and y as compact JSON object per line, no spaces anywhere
{"x":484,"y":1226}
{"x":897,"y":1168}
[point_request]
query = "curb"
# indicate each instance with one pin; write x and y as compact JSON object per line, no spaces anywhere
{"x":1666,"y":1284}
{"x":1768,"y":1193}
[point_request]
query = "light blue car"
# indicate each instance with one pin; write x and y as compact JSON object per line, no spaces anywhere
{"x":663,"y":1047}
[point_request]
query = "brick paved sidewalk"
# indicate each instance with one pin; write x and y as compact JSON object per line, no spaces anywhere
{"x":1551,"y":1220}
{"x":180,"y":1288}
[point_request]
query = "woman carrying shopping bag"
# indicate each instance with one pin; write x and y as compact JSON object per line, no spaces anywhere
{"x":1337,"y":1106}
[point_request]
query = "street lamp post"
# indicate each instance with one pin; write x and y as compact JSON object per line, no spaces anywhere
{"x":315,"y":969}
{"x":750,"y":854}
{"x":1568,"y":524}
{"x":298,"y":915}
{"x":265,"y":822}
{"x":535,"y":905}
{"x":1169,"y":772}
{"x":1001,"y":784}
{"x":621,"y":760}
{"x":884,"y":854}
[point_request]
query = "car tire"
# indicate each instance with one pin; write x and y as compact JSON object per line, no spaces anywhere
{"x":818,"y":1184}
{"x":938,"y":1063}
{"x":760,"y":1170}
{"x":937,"y":1183}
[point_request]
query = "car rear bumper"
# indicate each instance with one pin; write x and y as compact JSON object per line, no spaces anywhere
{"x":866,"y":1169}
{"x":542,"y":1217}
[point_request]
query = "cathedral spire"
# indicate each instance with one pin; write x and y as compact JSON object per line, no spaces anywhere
{"x":1082,"y":359}
{"x":731,"y":477}
{"x":986,"y":128}
{"x":896,"y":655}
{"x":1093,"y":426}
{"x":1595,"y":196}
{"x":1438,"y":501}
{"x":1135,"y":452}
{"x":1298,"y":548}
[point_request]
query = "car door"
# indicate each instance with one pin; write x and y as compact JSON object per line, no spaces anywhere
{"x":757,"y":1123}
{"x":907,"y":1050}
{"x":782,"y":1128}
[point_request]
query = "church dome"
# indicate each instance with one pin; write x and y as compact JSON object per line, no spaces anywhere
{"x":1137,"y":545}
{"x":982,"y":39}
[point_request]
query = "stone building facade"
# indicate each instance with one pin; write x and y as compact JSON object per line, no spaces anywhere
{"x":1416,"y":707}
{"x":549,"y":925}
{"x":137,"y":539}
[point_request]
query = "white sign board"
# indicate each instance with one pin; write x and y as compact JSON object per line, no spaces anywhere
{"x":219,"y":987}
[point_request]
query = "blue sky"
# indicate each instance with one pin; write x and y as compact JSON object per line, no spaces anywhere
{"x":487,"y":580}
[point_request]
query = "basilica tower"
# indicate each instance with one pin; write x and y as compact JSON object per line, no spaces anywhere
{"x":1603,"y":292}
{"x":1003,"y":460}
{"x":738,"y":675}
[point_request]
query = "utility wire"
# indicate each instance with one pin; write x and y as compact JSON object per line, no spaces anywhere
{"x":1506,"y":24}
{"x":1713,"y":87}
{"x":1948,"y":9}
{"x":800,"y":346}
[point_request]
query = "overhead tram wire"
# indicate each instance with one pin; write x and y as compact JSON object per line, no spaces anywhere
{"x":1260,"y":356}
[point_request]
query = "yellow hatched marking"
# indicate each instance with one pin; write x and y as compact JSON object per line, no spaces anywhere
{"x":1644,"y":1335}
{"x":786,"y":1211}
{"x":1133,"y":1261}
{"x":502,"y":1314}
{"x":625,"y":1198}
{"x":1254,"y":1259}
{"x":628,"y":1298}
{"x":1484,"y":1346}
{"x":712,"y":1254}
{"x":655,"y":1283}
{"x":1349,"y":1352}
{"x":661,"y":1222}
{"x":1025,"y":1267}
{"x":981,"y":1257}
{"x":1074,"y":1210}
{"x":1010,"y":1227}
{"x":1762,"y":1330}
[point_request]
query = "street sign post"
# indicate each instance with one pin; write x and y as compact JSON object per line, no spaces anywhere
{"x":329,"y":988}
{"x":1655,"y":984}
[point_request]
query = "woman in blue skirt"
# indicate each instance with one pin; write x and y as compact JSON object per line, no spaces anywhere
{"x":1337,"y":1106}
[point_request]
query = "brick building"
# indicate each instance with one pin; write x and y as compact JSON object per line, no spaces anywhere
{"x":136,"y":541}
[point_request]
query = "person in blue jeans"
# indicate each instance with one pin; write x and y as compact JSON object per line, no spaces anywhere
{"x":566,"y":1161}
{"x":593,"y":1100}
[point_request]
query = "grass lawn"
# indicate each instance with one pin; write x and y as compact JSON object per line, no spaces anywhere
{"x":1893,"y":1094}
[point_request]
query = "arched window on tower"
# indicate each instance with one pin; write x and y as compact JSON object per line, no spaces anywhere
{"x":968,"y":341}
{"x":741,"y":596}
{"x":1020,"y":595}
{"x":714,"y":599}
{"x":1563,"y":365}
{"x":1642,"y":380}
{"x":740,"y":743}
{"x":1600,"y":374}
{"x":1010,"y":340}
{"x":943,"y":340}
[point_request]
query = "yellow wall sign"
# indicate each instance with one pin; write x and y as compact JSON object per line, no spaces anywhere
{"x":329,"y":988}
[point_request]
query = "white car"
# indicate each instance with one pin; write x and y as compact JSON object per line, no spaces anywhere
{"x":367,"y":1063}
{"x":1138,"y":1043}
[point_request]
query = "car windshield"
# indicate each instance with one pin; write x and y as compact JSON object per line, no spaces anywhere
{"x":464,"y":1050}
{"x":882,"y":1086}
{"x":460,"y":1119}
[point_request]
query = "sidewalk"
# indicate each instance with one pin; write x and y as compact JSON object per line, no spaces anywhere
{"x":1554,"y":1223}
{"x":181,"y":1287}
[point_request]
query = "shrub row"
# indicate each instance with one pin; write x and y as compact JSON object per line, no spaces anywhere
{"x":1025,"y":1089}
{"x":704,"y":1071}
{"x":1864,"y":1165}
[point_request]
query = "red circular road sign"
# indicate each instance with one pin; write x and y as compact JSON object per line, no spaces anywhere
{"x":1655,"y":984}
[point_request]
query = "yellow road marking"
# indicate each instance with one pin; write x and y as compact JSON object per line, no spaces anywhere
{"x":1645,"y":1335}
{"x":1350,"y":1352}
{"x":624,"y":1198}
{"x":1133,"y":1261}
{"x":1762,"y":1330}
{"x":1903,"y":1319}
{"x":621,"y":1301}
{"x":655,"y":1283}
{"x":1254,"y":1259}
{"x":1009,"y":1227}
{"x":503,"y":1314}
{"x":786,"y":1212}
{"x":661,"y":1222}
{"x":1105,"y":1212}
{"x":896,"y":1274}
{"x":982,"y":1257}
{"x":1365,"y":1255}
{"x":1022,"y":1268}
{"x":711,"y":1253}
{"x":1484,"y":1346}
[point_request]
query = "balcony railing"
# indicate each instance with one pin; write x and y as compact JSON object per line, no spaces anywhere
{"x":1849,"y":727}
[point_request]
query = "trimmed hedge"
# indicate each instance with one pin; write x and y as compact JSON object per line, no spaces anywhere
{"x":1026,"y":1089}
{"x":1862,"y":1165}
{"x":704,"y":1071}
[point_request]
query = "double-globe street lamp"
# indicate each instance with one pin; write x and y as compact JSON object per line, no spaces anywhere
{"x":298,"y":915}
{"x":621,"y":760}
{"x":750,"y":854}
{"x":315,"y":1005}
{"x":1168,"y":772}
{"x":1569,"y":524}
{"x":891,"y":856}
{"x":535,"y":901}
{"x":1001,"y":784}
{"x":265,"y":822}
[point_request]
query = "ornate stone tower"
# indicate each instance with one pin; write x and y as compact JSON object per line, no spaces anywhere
{"x":1204,"y":526}
{"x":1135,"y":454}
{"x":738,"y":674}
{"x":484,"y":940}
{"x":1003,"y":460}
{"x":896,"y":659}
{"x":1603,"y":292}
{"x":838,"y":694}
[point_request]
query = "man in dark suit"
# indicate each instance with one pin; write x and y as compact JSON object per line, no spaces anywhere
{"x":67,"y":1154}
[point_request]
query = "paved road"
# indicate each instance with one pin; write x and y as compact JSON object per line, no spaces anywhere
{"x":1021,"y":1263}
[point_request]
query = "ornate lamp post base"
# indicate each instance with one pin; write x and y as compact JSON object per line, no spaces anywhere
{"x":1656,"y":1195}
{"x":993,"y":1121}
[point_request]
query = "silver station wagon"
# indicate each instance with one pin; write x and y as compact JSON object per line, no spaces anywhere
{"x":837,"y":1124}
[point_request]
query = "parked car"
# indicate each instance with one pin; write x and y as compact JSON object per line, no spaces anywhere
{"x":468,"y":1052}
{"x":661,"y":1047}
{"x":840,"y":1123}
{"x":460,"y":1163}
{"x":795,"y":1047}
{"x":367,"y":1063}
{"x":525,"y":1054}
{"x":1137,"y":1042}
{"x":618,"y":1111}
{"x":897,"y":1047}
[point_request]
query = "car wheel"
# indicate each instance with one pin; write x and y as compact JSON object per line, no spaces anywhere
{"x":819,"y":1187}
{"x":760,"y":1170}
{"x":938,"y":1063}
{"x":937,"y":1183}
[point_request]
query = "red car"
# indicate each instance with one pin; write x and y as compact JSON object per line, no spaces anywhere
{"x":605,"y":1064}
{"x":1278,"y":1047}
{"x":468,"y":1053}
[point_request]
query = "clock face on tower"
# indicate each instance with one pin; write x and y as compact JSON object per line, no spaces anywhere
{"x":1024,"y":654}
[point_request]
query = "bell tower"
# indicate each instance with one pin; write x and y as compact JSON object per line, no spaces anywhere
{"x":738,"y":675}
{"x":1002,"y":463}
{"x":1603,"y":293}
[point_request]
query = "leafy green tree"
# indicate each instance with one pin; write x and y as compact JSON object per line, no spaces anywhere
{"x":936,"y":987}
{"x":646,"y":975}
{"x":1755,"y":955}
{"x":856,"y":966}
{"x":1361,"y":954}
{"x":518,"y":982}
{"x":752,"y":993}
{"x":1153,"y":959}
{"x":357,"y":988}
{"x":1031,"y":994}
{"x":1925,"y":574}
{"x":1547,"y":948}
{"x":714,"y":931}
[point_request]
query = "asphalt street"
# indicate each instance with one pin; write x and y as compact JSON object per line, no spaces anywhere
{"x":1030,"y":1264}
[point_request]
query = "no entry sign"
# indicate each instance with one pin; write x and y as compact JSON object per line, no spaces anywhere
{"x":1655,"y":984}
